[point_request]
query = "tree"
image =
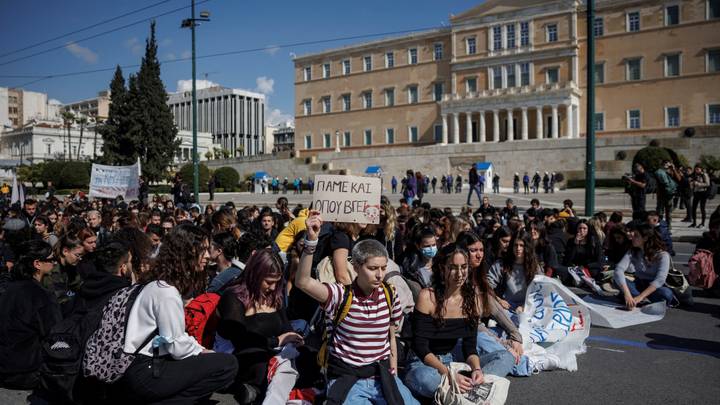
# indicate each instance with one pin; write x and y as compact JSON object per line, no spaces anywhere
{"x":209,"y":155}
{"x":154,"y":132}
{"x":117,"y":121}
{"x":82,"y":121}
{"x":68,"y":118}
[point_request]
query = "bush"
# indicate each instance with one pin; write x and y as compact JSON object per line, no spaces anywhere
{"x":186,"y":173}
{"x":226,"y":178}
{"x":74,"y":175}
{"x":651,"y":157}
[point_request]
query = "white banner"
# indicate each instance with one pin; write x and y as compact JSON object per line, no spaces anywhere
{"x":347,"y":198}
{"x":554,"y":320}
{"x":609,"y":314}
{"x":112,"y":181}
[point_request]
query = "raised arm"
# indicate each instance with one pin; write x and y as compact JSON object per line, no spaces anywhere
{"x":303,"y":279}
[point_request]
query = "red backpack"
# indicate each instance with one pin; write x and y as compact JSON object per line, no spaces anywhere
{"x":201,"y":319}
{"x":702,"y":270}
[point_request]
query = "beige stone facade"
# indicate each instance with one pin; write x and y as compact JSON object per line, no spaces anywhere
{"x":515,"y":70}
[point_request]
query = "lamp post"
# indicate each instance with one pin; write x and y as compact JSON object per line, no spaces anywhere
{"x":191,"y":23}
{"x":590,"y":111}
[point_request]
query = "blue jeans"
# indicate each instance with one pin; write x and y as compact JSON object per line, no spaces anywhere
{"x":368,"y":391}
{"x":487,"y":344}
{"x":661,"y":294}
{"x":475,"y":188}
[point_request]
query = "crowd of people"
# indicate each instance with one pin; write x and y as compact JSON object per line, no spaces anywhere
{"x":272,"y":303}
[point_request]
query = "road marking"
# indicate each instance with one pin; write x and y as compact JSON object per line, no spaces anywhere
{"x":649,"y":345}
{"x":607,"y":349}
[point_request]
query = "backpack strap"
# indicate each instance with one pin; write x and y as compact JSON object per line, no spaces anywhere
{"x":343,"y":309}
{"x":389,"y":292}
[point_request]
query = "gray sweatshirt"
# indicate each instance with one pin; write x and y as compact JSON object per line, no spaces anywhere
{"x":510,"y":286}
{"x":634,"y":262}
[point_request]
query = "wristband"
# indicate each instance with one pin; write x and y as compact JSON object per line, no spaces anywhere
{"x":311,"y":243}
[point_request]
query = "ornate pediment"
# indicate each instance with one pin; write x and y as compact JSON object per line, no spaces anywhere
{"x":497,"y":7}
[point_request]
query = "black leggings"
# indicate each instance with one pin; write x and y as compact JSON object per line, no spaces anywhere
{"x":699,"y":199}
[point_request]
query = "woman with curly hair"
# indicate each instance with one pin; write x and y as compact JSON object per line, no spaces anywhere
{"x":446,"y":313}
{"x":185,"y":371}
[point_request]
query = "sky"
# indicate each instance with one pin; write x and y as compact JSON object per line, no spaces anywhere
{"x":235,"y":25}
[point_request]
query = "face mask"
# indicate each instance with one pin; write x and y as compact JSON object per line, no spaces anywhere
{"x":429,"y":251}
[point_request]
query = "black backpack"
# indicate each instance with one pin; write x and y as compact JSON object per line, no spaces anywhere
{"x":62,"y":352}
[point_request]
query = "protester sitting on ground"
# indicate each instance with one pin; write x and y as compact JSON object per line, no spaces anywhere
{"x":88,"y":239}
{"x":253,"y":319}
{"x":64,"y":280}
{"x":155,"y":233}
{"x":355,"y":359}
{"x":286,"y":237}
{"x":510,"y":276}
{"x":27,"y":313}
{"x":583,"y":250}
{"x":223,"y":250}
{"x":500,"y":240}
{"x":544,"y":250}
{"x":596,"y":224}
{"x":654,"y":220}
{"x":649,"y":262}
{"x":618,"y":244}
{"x":387,"y":232}
{"x":457,"y":226}
{"x":140,"y":247}
{"x":185,"y":371}
{"x":44,"y":231}
{"x":446,"y":314}
{"x":417,"y":265}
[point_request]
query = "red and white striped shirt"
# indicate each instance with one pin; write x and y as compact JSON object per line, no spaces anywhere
{"x":363,"y":336}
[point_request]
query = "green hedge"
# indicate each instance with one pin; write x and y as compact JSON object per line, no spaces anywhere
{"x":64,"y":174}
{"x":226,"y":178}
{"x":652,"y":157}
{"x":186,"y":173}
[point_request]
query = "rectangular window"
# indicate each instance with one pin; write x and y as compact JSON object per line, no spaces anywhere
{"x":600,"y":121}
{"x":389,"y":59}
{"x":368,"y":137}
{"x":389,"y":97}
{"x":497,"y":38}
{"x":326,"y":104}
{"x":497,"y":78}
{"x":510,"y":36}
{"x":471,"y":46}
{"x":307,"y":107}
{"x":390,"y":136}
{"x":437,"y":91}
{"x":524,"y":33}
{"x":307,"y":73}
{"x":510,"y":75}
{"x":525,"y":74}
{"x":598,"y":27}
{"x":412,"y":94}
{"x":326,"y":71}
{"x":346,"y":67}
{"x":412,"y":134}
{"x":553,"y":75}
{"x":438,"y":132}
{"x":308,"y":141}
{"x":713,"y":114}
{"x":412,"y":56}
{"x":599,"y":73}
{"x":327,"y":141}
{"x":551,"y":32}
{"x":713,"y":60}
{"x":713,"y":9}
{"x":672,"y":15}
{"x":634,"y":119}
{"x":633,"y":21}
{"x":346,"y":138}
{"x":672,"y":65}
{"x":346,"y":102}
{"x":438,"y":52}
{"x":633,"y":69}
{"x":672,"y":117}
{"x":367,"y":63}
{"x":471,"y":85}
{"x":367,"y":99}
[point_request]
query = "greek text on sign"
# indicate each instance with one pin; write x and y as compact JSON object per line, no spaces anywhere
{"x":112,"y":181}
{"x":347,"y":198}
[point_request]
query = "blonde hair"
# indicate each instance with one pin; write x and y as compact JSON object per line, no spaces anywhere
{"x":598,"y":227}
{"x":390,"y":222}
{"x":457,"y":226}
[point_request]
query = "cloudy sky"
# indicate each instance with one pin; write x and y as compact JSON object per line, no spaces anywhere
{"x":255,"y":32}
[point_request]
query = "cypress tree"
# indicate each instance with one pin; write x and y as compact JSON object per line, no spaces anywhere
{"x":115,"y":125}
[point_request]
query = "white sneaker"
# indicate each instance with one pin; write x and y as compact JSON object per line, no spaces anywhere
{"x":544,"y":362}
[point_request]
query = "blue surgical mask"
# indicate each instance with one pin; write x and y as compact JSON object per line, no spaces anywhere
{"x":429,"y":251}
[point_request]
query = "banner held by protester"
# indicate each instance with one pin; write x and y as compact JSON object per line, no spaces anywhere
{"x":347,"y":198}
{"x":113,"y":181}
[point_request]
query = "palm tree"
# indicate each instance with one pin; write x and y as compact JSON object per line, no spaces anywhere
{"x":82,"y":121}
{"x":68,"y":118}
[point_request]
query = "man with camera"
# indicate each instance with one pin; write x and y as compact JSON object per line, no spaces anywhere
{"x":636,"y":188}
{"x":667,"y":187}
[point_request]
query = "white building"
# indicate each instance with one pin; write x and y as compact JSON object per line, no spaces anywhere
{"x":49,"y":141}
{"x":184,"y":152}
{"x":19,"y":107}
{"x":234,"y":117}
{"x":270,"y":138}
{"x":5,"y":122}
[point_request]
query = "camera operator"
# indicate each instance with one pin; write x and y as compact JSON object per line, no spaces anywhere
{"x":637,"y":183}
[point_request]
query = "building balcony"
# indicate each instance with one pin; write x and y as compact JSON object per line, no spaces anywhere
{"x":510,"y":91}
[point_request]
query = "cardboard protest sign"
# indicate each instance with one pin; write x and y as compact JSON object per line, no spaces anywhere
{"x":347,"y":198}
{"x":112,"y":181}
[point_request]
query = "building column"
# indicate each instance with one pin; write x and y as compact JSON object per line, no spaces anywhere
{"x":524,"y":124}
{"x":444,"y":129}
{"x":554,"y":133}
{"x":496,"y":126}
{"x":456,"y":128}
{"x":468,"y":127}
{"x":539,"y":122}
{"x":569,"y":123}
{"x":510,"y":125}
{"x":481,"y":127}
{"x":576,"y":121}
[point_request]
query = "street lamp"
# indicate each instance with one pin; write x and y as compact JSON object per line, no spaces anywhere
{"x":191,"y":23}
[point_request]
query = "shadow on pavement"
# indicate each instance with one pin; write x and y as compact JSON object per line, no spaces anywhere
{"x":661,"y":341}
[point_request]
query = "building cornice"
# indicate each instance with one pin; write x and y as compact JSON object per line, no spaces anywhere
{"x":515,"y":98}
{"x":519,"y":57}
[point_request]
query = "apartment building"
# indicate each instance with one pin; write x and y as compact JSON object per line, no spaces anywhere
{"x":510,"y":70}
